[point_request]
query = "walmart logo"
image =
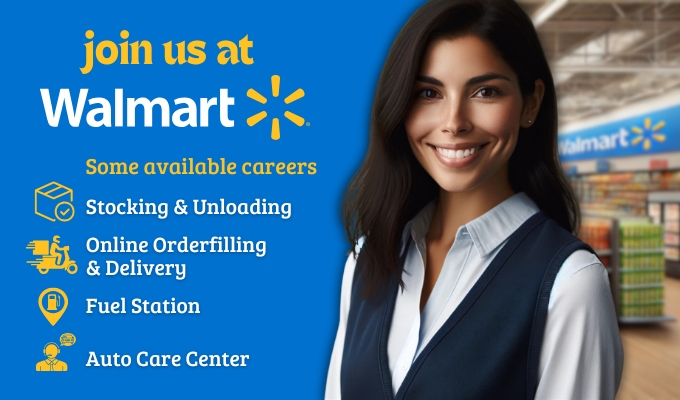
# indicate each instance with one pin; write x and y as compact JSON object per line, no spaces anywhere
{"x":648,"y":133}
{"x":276,"y":130}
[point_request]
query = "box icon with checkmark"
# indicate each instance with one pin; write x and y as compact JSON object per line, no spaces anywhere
{"x":53,"y":202}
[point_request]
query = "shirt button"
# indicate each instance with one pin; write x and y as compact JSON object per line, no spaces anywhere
{"x":403,"y":367}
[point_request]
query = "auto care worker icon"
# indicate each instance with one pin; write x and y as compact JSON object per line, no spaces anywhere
{"x":51,"y":364}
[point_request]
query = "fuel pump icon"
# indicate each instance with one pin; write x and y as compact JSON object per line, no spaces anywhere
{"x":53,"y":302}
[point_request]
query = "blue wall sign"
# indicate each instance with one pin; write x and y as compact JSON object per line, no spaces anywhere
{"x":655,"y":132}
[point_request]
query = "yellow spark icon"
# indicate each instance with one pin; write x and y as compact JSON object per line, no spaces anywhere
{"x":276,"y":130}
{"x":648,"y":133}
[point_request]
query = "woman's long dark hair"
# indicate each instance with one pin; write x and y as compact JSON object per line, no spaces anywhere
{"x":391,"y":186}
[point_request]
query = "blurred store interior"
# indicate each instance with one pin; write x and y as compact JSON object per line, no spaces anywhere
{"x":616,"y":66}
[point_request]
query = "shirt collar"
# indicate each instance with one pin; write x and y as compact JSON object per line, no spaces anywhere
{"x":487,"y":231}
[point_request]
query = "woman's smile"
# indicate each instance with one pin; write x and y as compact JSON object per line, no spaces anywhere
{"x":457,"y":155}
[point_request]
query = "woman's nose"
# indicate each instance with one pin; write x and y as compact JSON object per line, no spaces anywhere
{"x":456,"y":117}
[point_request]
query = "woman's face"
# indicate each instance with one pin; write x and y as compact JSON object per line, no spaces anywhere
{"x":466,"y":114}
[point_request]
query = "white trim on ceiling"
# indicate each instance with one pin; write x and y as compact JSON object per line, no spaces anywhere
{"x":660,"y":102}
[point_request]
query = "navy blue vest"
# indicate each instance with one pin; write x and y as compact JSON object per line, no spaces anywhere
{"x":488,"y":348}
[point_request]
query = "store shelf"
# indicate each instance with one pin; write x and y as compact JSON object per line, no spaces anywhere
{"x":644,"y":269}
{"x":642,"y":286}
{"x":641,"y":251}
{"x":623,"y":191}
{"x":646,"y":320}
{"x":641,"y":299}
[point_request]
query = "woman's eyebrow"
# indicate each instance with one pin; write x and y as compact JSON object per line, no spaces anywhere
{"x":486,"y":77}
{"x":430,"y":80}
{"x":472,"y":81}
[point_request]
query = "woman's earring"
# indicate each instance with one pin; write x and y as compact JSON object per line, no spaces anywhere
{"x":529,"y":121}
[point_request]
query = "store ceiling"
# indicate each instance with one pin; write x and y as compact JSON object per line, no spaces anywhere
{"x":606,"y":54}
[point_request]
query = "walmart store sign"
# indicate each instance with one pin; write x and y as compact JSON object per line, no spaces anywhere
{"x":654,"y":132}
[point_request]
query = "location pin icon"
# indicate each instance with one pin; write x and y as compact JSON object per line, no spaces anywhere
{"x":54,"y":306}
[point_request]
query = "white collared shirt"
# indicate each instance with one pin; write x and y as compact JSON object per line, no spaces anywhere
{"x":581,"y":318}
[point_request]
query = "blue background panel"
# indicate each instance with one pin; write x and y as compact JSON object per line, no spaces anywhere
{"x":281,"y":309}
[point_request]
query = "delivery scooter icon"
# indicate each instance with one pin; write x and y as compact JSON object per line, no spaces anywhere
{"x":51,"y":256}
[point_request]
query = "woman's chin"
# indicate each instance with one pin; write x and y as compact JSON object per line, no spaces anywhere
{"x":457,"y":184}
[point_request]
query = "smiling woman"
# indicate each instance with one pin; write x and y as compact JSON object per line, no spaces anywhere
{"x":464,"y":279}
{"x":484,"y":111}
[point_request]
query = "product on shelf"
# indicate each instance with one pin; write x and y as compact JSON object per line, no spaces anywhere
{"x":672,"y":226}
{"x":596,"y":233}
{"x":672,"y":254}
{"x":642,"y":302}
{"x":611,"y":194}
{"x":641,"y":260}
{"x":654,"y":212}
{"x":641,"y":236}
{"x":672,"y":239}
{"x":672,"y":211}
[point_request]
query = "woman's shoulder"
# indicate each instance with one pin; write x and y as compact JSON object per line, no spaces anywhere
{"x":581,"y":280}
{"x":579,"y":260}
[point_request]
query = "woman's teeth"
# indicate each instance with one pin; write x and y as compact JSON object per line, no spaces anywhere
{"x":457,"y":154}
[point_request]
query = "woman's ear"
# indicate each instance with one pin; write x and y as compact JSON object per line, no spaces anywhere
{"x":532,"y":104}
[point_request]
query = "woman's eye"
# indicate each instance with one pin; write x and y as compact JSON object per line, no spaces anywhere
{"x":487,"y":92}
{"x":428,"y":94}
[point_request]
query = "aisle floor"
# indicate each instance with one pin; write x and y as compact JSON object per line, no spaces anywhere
{"x":651,"y":368}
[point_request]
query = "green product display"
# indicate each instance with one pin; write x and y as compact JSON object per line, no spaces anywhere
{"x":642,"y":264}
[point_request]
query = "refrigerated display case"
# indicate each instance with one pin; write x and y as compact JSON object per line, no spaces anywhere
{"x":664,"y":207}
